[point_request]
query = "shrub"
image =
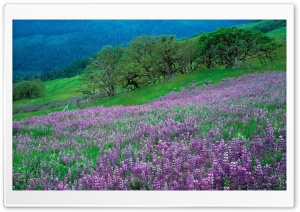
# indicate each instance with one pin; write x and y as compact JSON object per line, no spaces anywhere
{"x":28,"y":89}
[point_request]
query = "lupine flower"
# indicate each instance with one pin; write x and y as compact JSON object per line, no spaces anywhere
{"x":213,"y":137}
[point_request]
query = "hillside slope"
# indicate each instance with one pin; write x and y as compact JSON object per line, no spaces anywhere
{"x":275,"y":29}
{"x":64,"y":89}
{"x":228,"y":136}
{"x":70,"y":87}
{"x":59,"y":89}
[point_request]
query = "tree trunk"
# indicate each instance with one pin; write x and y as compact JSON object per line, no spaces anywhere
{"x":236,"y":63}
{"x":135,"y":84}
{"x":111,"y":90}
{"x":170,"y":70}
{"x":151,"y":79}
{"x":208,"y":64}
{"x":149,"y":75}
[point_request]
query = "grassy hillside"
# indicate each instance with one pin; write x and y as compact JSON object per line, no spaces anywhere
{"x":147,"y":94}
{"x":279,"y":33}
{"x":229,"y":136}
{"x":273,"y":29}
{"x":64,"y":89}
{"x":59,"y":89}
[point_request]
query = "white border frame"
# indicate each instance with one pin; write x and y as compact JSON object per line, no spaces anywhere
{"x":146,"y":198}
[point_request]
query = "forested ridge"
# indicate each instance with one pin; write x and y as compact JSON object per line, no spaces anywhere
{"x":42,"y":46}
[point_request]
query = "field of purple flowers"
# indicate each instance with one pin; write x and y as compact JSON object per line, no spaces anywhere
{"x":228,"y":136}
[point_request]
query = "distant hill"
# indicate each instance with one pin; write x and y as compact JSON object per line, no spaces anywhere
{"x":45,"y":45}
{"x":273,"y":28}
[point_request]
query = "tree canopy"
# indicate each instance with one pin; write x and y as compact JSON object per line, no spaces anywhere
{"x":233,"y":46}
{"x":102,"y":73}
{"x":150,"y":59}
{"x":28,"y":89}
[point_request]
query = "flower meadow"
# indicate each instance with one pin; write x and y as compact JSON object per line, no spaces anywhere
{"x":227,"y":136}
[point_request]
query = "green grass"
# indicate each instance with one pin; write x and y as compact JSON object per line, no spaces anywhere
{"x":148,"y":94}
{"x":279,"y":33}
{"x":59,"y":89}
{"x":253,"y":24}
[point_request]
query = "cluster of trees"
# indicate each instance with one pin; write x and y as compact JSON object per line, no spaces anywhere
{"x":45,"y":45}
{"x":149,"y":59}
{"x":233,"y":47}
{"x":28,"y":89}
